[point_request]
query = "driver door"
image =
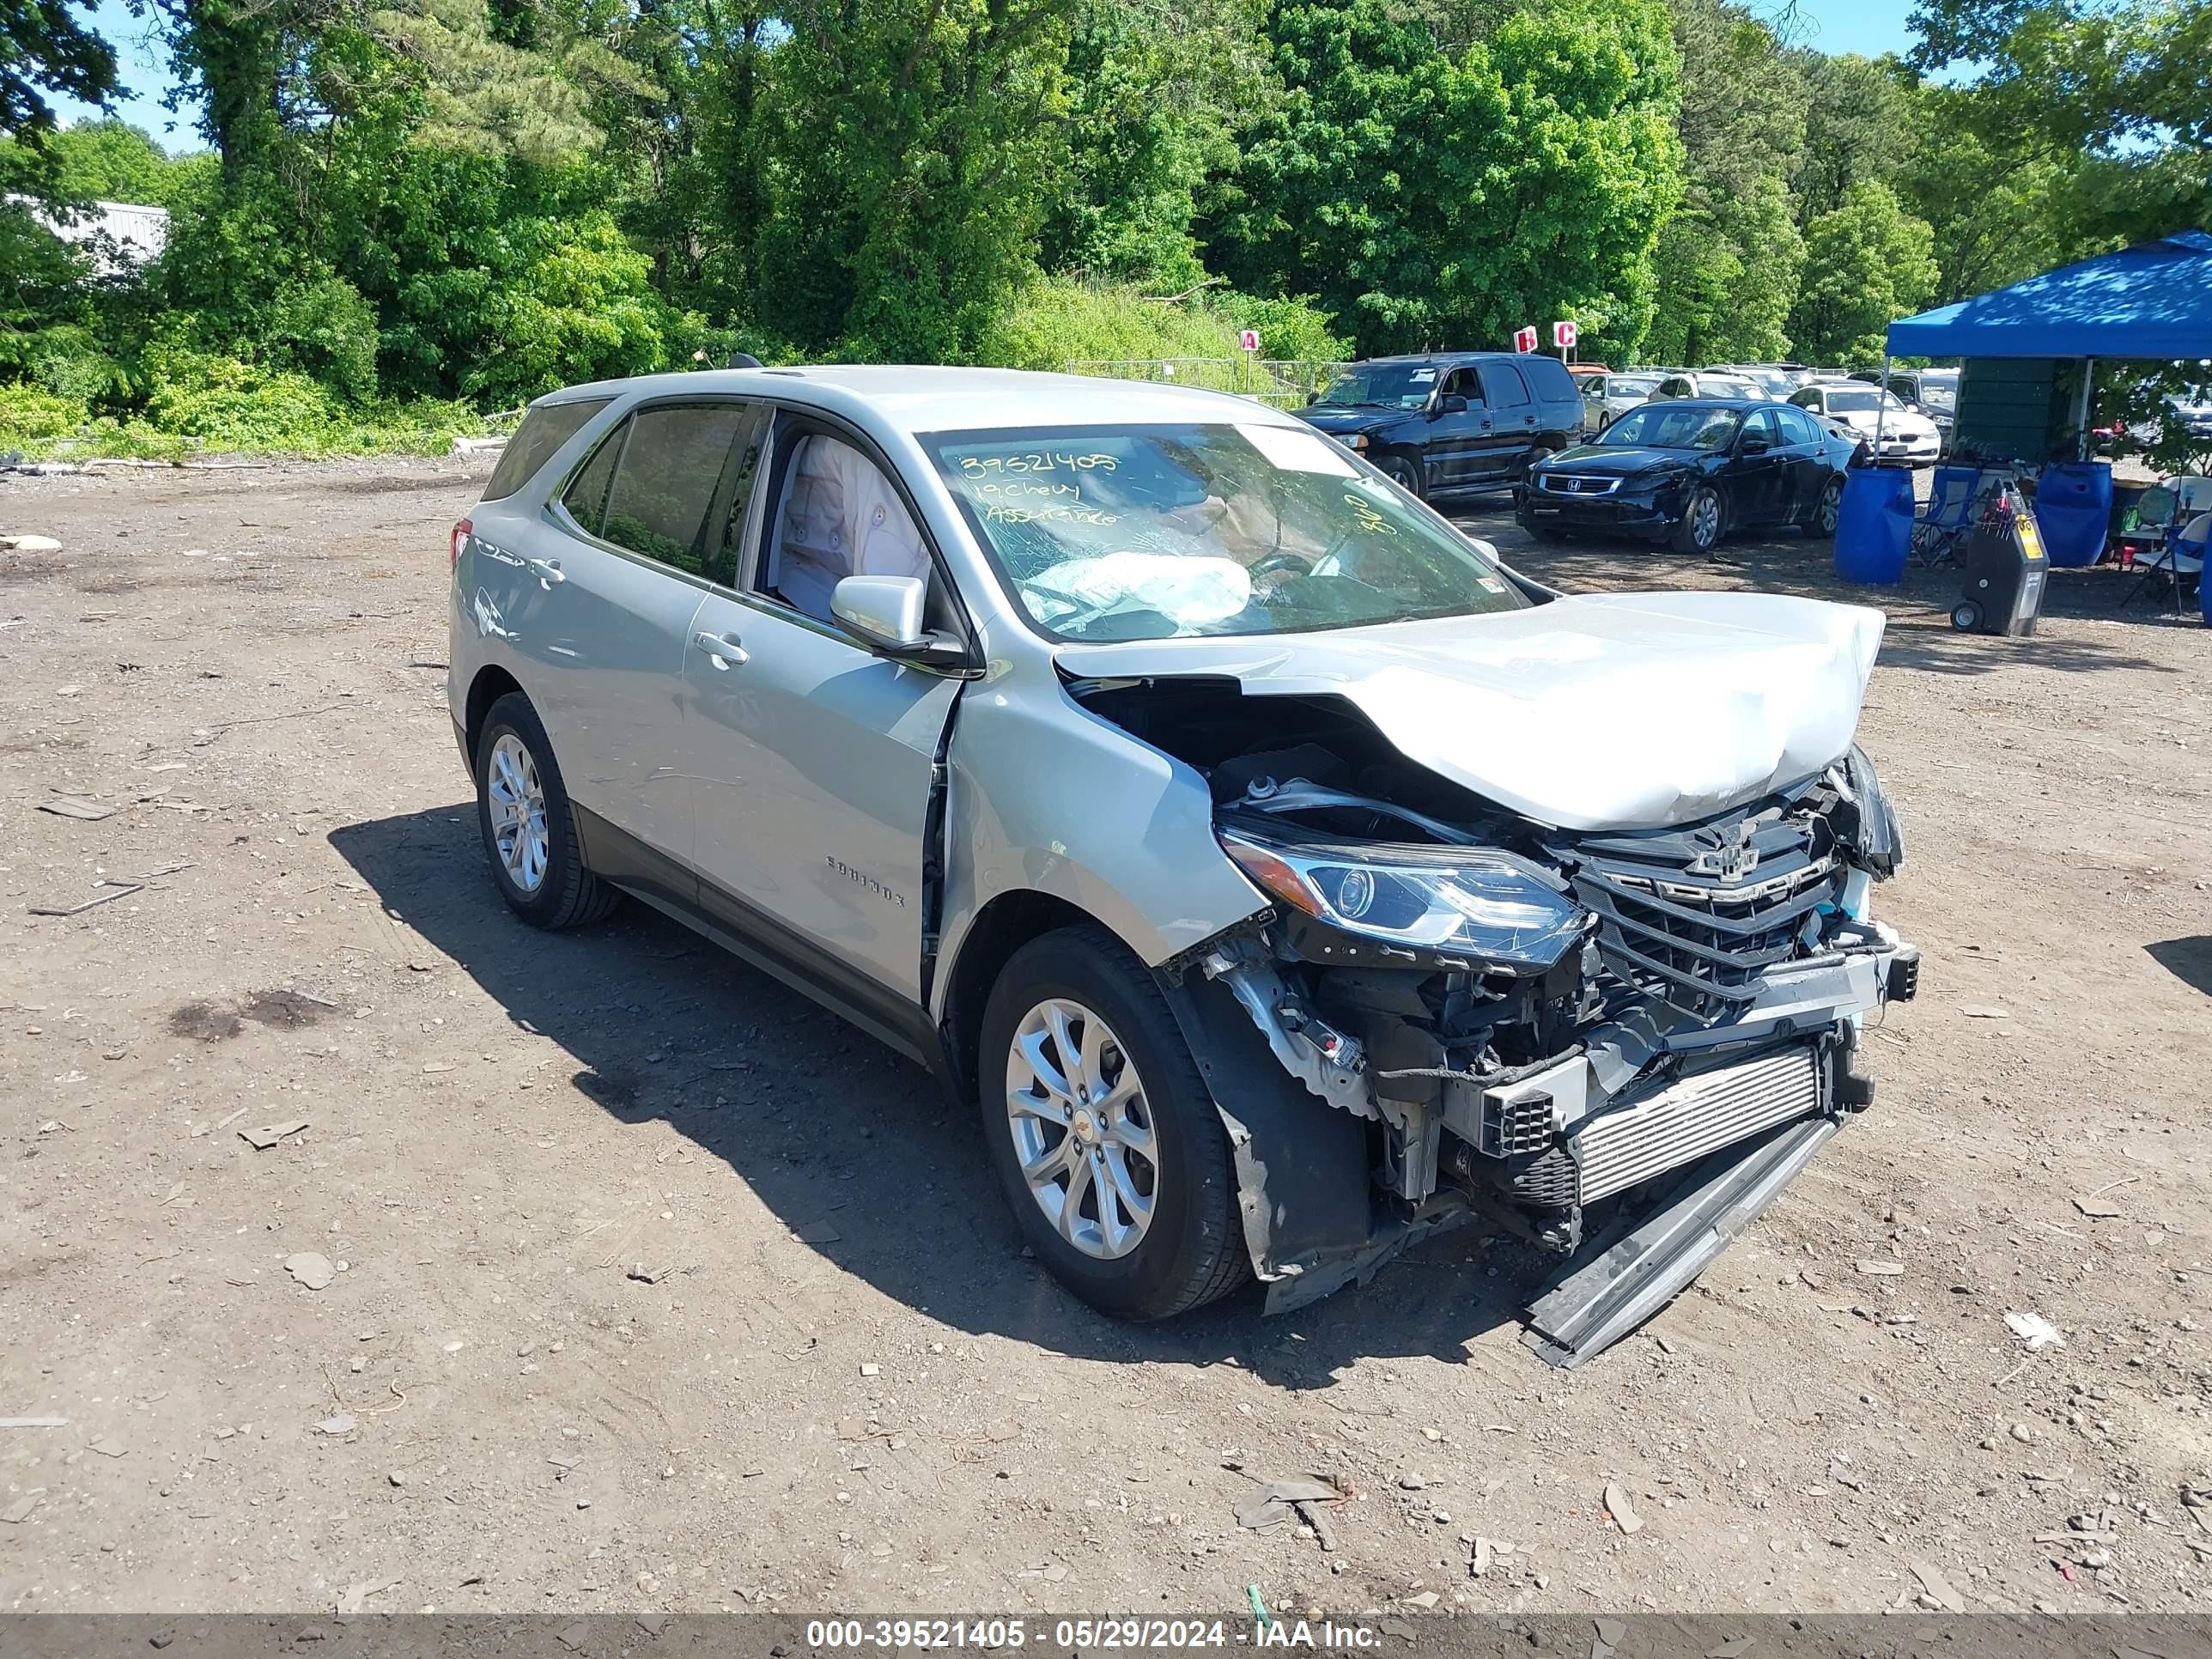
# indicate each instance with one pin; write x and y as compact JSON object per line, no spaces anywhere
{"x":812,"y":759}
{"x":1457,"y":437}
{"x":1759,"y":474}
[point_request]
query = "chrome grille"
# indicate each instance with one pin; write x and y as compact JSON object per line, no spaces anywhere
{"x":1699,"y":1115}
{"x":1697,"y":919}
{"x":1577,"y":483}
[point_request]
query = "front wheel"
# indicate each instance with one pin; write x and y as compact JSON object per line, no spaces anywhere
{"x":1402,"y":471}
{"x":1830,"y":510}
{"x":1103,"y":1133}
{"x":1700,"y":529}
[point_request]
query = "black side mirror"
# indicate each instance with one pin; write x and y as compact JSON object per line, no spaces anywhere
{"x":1752,"y":443}
{"x":1451,"y":403}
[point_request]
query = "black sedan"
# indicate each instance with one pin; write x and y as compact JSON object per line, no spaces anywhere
{"x":1690,"y":471}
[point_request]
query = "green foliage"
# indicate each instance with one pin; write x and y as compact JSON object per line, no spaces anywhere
{"x":1434,"y":196}
{"x":44,"y":50}
{"x":908,"y":152}
{"x":1054,"y":321}
{"x":1868,"y":261}
{"x":30,"y":417}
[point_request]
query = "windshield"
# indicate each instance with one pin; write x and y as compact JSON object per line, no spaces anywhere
{"x":1673,"y":426}
{"x":1392,"y":385}
{"x":1861,"y":400}
{"x":1775,"y":382}
{"x":1631,"y":386}
{"x":1167,"y":532}
{"x":1940,"y":390}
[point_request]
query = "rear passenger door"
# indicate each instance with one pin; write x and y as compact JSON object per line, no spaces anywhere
{"x":1806,"y":455}
{"x":814,"y":758}
{"x":1512,"y":432}
{"x":602,"y":608}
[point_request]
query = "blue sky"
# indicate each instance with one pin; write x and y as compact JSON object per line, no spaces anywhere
{"x":1870,"y":27}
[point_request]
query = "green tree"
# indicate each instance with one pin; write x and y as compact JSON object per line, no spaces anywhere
{"x":1728,"y":259}
{"x":45,"y":51}
{"x":1428,"y":197}
{"x":910,"y":154}
{"x":1868,"y":261}
{"x":1860,"y":128}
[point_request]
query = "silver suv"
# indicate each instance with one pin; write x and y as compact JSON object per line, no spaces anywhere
{"x":1286,"y":876}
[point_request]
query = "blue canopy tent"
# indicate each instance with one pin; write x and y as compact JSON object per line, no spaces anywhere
{"x":2153,"y":300}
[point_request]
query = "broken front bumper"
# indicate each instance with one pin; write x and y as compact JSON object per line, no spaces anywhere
{"x":1648,"y":1103}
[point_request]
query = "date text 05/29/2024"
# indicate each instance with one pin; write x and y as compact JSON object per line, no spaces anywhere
{"x":1090,"y":1635}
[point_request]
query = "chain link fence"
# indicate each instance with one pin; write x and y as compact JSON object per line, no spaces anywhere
{"x":1281,"y":382}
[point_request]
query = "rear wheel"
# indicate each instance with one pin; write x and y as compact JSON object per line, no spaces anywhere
{"x":529,"y":829}
{"x":1702,"y":522}
{"x":1104,"y":1136}
{"x":1966,"y":615}
{"x":1402,"y":471}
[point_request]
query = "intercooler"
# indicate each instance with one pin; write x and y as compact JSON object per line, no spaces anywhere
{"x":1697,"y":1114}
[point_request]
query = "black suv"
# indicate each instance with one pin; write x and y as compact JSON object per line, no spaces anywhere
{"x":1452,"y":423}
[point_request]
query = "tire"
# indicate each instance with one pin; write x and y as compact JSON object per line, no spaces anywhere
{"x":1190,"y":1249}
{"x":1404,"y":473}
{"x":1828,"y":512}
{"x":1966,"y":615}
{"x":1704,"y":521}
{"x":564,"y":893}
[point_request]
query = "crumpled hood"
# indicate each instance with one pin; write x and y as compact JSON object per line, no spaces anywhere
{"x":1615,"y":711}
{"x":1345,"y":418}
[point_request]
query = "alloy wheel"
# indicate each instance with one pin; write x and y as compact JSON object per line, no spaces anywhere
{"x":1083,"y":1130}
{"x":1831,"y":510}
{"x":1705,"y":520}
{"x":517,"y":797}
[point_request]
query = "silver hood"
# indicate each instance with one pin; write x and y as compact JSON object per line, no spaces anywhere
{"x":1615,"y":711}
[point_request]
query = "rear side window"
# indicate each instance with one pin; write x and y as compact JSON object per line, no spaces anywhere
{"x":1797,"y":426}
{"x":1547,"y":378}
{"x":1504,"y":386}
{"x":586,"y":497}
{"x":670,"y":477}
{"x":544,"y":428}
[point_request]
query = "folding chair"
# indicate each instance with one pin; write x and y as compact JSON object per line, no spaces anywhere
{"x":2178,"y":566}
{"x":1954,"y":502}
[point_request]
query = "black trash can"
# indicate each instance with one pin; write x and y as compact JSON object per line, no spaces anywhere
{"x":2006,"y":570}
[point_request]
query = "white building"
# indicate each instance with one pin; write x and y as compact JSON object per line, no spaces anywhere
{"x":120,"y":235}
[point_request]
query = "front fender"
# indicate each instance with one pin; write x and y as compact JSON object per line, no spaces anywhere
{"x":1044,"y":797}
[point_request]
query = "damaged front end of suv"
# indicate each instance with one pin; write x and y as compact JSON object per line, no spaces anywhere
{"x":1537,"y":1025}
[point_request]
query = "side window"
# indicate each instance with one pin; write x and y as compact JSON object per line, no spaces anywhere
{"x":1798,"y":427}
{"x":1594,"y":388}
{"x":1806,"y":400}
{"x":1758,"y":430}
{"x":1464,"y":383}
{"x":665,"y":488}
{"x":544,"y":428}
{"x":586,"y":497}
{"x":836,"y":516}
{"x":1903,"y":386}
{"x":1504,"y":385}
{"x":1547,"y":377}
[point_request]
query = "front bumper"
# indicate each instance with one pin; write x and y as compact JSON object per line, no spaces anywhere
{"x":1912,"y":446}
{"x":1639,"y":512}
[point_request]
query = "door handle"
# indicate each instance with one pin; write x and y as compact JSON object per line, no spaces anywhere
{"x":547,"y":571}
{"x":722,"y":650}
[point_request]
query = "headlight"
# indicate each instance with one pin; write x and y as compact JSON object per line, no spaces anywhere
{"x":1358,"y":441}
{"x":1876,"y":846}
{"x":1453,"y":900}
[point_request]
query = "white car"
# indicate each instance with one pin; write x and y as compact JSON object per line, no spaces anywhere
{"x":1606,"y":398}
{"x":1709,"y":383}
{"x":1859,"y":411}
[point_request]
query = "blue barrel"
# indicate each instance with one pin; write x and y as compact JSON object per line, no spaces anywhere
{"x":2073,"y":510}
{"x":1874,"y":532}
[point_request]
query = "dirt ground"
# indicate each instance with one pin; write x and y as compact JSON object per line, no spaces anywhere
{"x":839,"y":1386}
